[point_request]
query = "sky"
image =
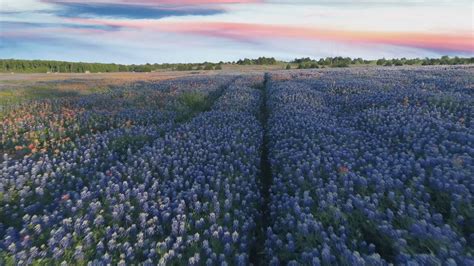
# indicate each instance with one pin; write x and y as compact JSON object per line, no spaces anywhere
{"x":182,"y":31}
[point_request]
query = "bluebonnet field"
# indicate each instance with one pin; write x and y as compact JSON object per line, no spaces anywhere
{"x":344,"y":166}
{"x":372,"y":167}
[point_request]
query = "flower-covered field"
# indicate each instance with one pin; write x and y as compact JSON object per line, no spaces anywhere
{"x":361,"y":166}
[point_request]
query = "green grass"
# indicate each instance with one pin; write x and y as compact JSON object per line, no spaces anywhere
{"x":194,"y":100}
{"x":38,"y":92}
{"x":13,"y":96}
{"x":8,"y":96}
{"x":191,"y":103}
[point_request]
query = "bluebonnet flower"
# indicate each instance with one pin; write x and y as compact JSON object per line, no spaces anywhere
{"x":367,"y":148}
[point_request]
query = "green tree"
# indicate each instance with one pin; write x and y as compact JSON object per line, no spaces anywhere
{"x":208,"y":67}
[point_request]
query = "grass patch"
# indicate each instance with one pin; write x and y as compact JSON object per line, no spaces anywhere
{"x":13,"y":96}
{"x":192,"y":103}
{"x":9,"y":96}
{"x":6,"y":259}
{"x":195,"y":101}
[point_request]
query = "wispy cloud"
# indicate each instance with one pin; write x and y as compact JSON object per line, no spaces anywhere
{"x":163,"y":2}
{"x":69,"y":9}
{"x":248,"y":32}
{"x":191,"y":2}
{"x":22,"y":26}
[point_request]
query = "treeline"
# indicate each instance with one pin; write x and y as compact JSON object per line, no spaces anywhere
{"x":305,"y":63}
{"x":445,"y":60}
{"x":43,"y":66}
{"x":47,"y":66}
{"x":258,"y":61}
{"x":190,"y":67}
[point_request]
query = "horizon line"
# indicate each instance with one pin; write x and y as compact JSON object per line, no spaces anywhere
{"x":234,"y":61}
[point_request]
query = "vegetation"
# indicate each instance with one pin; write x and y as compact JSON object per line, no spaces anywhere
{"x":13,"y":96}
{"x":445,"y":60}
{"x":45,"y":66}
{"x":258,"y":61}
{"x":305,"y":63}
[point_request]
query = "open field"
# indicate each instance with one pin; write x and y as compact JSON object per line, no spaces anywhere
{"x":352,"y":166}
{"x":18,"y":87}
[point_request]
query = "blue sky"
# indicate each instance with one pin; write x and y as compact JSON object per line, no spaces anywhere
{"x":125,"y":31}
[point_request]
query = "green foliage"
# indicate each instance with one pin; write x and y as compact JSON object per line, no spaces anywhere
{"x":302,"y":60}
{"x":191,"y":103}
{"x":288,"y":67}
{"x":308,"y":65}
{"x":381,"y":62}
{"x":305,"y":63}
{"x":44,"y":66}
{"x":258,"y":61}
{"x":7,"y":260}
{"x":193,"y":100}
{"x":445,"y":60}
{"x":12,"y":96}
{"x":208,"y":67}
{"x":360,"y":61}
{"x":184,"y":67}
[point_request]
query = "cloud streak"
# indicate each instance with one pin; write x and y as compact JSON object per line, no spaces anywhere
{"x":248,"y":32}
{"x":71,"y":9}
{"x":137,"y":31}
{"x":156,"y":3}
{"x":192,"y":2}
{"x":22,"y":26}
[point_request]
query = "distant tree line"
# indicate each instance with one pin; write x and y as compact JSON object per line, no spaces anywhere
{"x":44,"y":66}
{"x":445,"y":60}
{"x":258,"y":61}
{"x":190,"y":67}
{"x":305,"y":63}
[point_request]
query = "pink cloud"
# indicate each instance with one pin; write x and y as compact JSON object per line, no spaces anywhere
{"x":247,"y":32}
